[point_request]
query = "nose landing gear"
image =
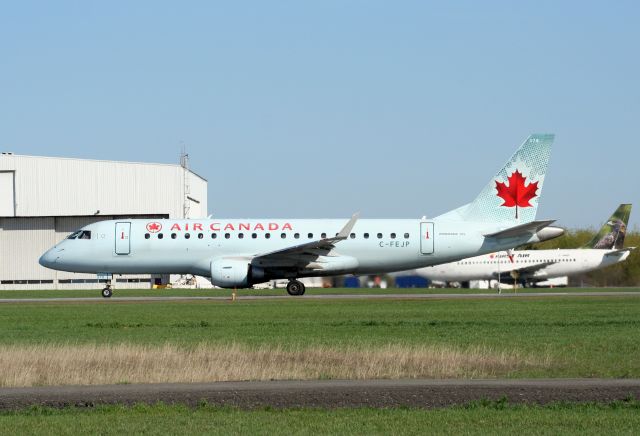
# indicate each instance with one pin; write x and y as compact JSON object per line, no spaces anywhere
{"x":106,"y":291}
{"x":295,"y":287}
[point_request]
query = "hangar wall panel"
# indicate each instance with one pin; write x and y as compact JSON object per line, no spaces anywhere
{"x":22,"y":242}
{"x":197,"y":196}
{"x":6,"y":193}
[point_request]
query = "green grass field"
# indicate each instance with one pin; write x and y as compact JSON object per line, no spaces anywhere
{"x":494,"y":418}
{"x":581,"y":336}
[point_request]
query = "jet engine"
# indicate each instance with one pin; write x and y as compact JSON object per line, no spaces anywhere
{"x":235,"y":273}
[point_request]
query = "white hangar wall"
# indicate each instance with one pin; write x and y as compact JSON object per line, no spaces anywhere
{"x":44,"y":199}
{"x":48,"y":186}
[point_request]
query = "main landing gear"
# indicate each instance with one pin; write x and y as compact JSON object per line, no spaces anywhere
{"x":107,"y":292}
{"x":295,"y":287}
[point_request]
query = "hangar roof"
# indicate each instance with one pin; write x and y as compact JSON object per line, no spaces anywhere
{"x":52,"y":186}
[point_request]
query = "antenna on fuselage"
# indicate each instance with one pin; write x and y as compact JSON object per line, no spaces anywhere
{"x":184,"y":163}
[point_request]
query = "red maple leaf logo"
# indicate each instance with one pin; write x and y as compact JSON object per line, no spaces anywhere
{"x":154,"y":227}
{"x":516,"y":194}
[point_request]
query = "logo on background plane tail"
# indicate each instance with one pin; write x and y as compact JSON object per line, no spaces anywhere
{"x":611,"y":234}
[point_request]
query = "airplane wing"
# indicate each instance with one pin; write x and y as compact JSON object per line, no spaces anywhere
{"x":531,"y":227}
{"x":303,"y":255}
{"x":525,"y":271}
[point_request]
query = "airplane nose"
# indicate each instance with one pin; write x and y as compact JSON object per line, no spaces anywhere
{"x":49,"y":257}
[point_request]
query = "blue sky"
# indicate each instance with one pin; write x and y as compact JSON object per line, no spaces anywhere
{"x":320,"y":109}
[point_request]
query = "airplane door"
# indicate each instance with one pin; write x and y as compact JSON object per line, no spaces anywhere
{"x":426,"y":238}
{"x":123,"y":243}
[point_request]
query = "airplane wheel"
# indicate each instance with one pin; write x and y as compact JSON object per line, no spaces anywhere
{"x":295,"y":287}
{"x":106,"y":292}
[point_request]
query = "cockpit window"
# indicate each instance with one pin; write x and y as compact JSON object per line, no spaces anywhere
{"x":74,"y":235}
{"x":80,"y":234}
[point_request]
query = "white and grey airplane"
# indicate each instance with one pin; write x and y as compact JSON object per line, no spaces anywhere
{"x":238,"y":253}
{"x":531,"y":266}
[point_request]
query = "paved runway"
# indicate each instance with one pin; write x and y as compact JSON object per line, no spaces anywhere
{"x":326,"y":297}
{"x":329,"y":393}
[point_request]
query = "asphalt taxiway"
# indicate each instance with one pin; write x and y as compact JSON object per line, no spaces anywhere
{"x":329,"y":393}
{"x":241,"y":297}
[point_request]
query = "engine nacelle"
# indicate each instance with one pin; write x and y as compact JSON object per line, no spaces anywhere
{"x":235,"y":273}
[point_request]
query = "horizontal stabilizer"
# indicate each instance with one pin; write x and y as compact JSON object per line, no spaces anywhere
{"x":620,"y":251}
{"x":519,"y":230}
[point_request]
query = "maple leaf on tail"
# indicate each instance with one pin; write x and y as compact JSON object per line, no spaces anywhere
{"x":516,"y":194}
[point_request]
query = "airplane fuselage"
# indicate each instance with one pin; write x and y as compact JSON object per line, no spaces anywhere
{"x":240,"y":253}
{"x":141,"y":246}
{"x":534,"y":264}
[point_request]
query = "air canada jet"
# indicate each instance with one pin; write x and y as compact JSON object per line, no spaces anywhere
{"x":238,"y":253}
{"x":531,"y":266}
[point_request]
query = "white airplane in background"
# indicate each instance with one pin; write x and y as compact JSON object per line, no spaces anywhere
{"x":238,"y":253}
{"x":527,"y":266}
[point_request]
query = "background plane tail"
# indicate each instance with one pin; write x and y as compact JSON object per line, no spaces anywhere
{"x":512,"y":195}
{"x":611,"y":234}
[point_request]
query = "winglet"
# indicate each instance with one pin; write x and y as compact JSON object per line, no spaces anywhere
{"x":344,"y":233}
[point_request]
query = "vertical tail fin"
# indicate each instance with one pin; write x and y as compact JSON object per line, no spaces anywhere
{"x":611,"y":234}
{"x":513,"y":194}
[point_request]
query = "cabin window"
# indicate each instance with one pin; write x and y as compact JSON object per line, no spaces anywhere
{"x":173,"y":236}
{"x":227,"y":236}
{"x":200,"y":236}
{"x":147,"y":236}
{"x":310,"y":235}
{"x":214,"y":235}
{"x":379,"y":235}
{"x":240,"y":235}
{"x":254,"y":235}
{"x":393,"y":236}
{"x":366,"y":236}
{"x":267,"y":235}
{"x":406,"y":236}
{"x":160,"y":236}
{"x":296,"y":235}
{"x":187,"y":235}
{"x":283,"y":235}
{"x":323,"y":235}
{"x":353,"y":235}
